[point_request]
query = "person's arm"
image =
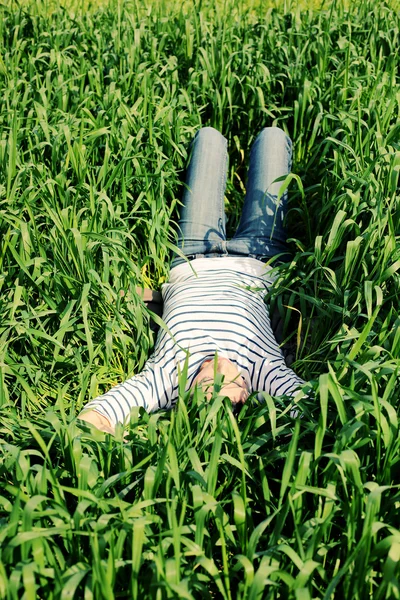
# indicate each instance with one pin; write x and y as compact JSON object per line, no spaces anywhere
{"x":96,"y":417}
{"x":277,"y":379}
{"x":105,"y":411}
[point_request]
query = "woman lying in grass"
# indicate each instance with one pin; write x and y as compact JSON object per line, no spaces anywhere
{"x":214,"y":310}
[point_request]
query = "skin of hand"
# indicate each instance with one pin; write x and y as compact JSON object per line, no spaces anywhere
{"x":97,"y":420}
{"x":234,"y":385}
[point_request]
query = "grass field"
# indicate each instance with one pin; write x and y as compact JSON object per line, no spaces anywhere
{"x":97,"y":108}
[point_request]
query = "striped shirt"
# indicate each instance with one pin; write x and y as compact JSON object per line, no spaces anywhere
{"x":211,"y":305}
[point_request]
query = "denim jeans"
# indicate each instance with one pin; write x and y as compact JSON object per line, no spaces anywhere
{"x":261,"y":233}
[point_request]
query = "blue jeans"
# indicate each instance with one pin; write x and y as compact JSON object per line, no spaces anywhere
{"x":261,"y":233}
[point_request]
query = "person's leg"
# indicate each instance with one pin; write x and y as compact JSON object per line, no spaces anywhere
{"x":261,"y":233}
{"x":202,"y":216}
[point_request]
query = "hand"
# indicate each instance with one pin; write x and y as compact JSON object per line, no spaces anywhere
{"x":97,"y":420}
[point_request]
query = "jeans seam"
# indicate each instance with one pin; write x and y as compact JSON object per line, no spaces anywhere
{"x":222,"y":187}
{"x":221,"y":197}
{"x":290,"y":153}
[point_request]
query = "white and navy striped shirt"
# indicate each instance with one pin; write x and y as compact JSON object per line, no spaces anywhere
{"x":211,"y":305}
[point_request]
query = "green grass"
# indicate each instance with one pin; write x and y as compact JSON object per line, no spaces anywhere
{"x":96,"y":112}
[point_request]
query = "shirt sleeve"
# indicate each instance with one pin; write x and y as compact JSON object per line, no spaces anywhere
{"x":117,"y":403}
{"x":277,"y":379}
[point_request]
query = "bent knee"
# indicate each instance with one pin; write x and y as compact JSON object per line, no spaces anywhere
{"x":275,"y":133}
{"x":209,"y":133}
